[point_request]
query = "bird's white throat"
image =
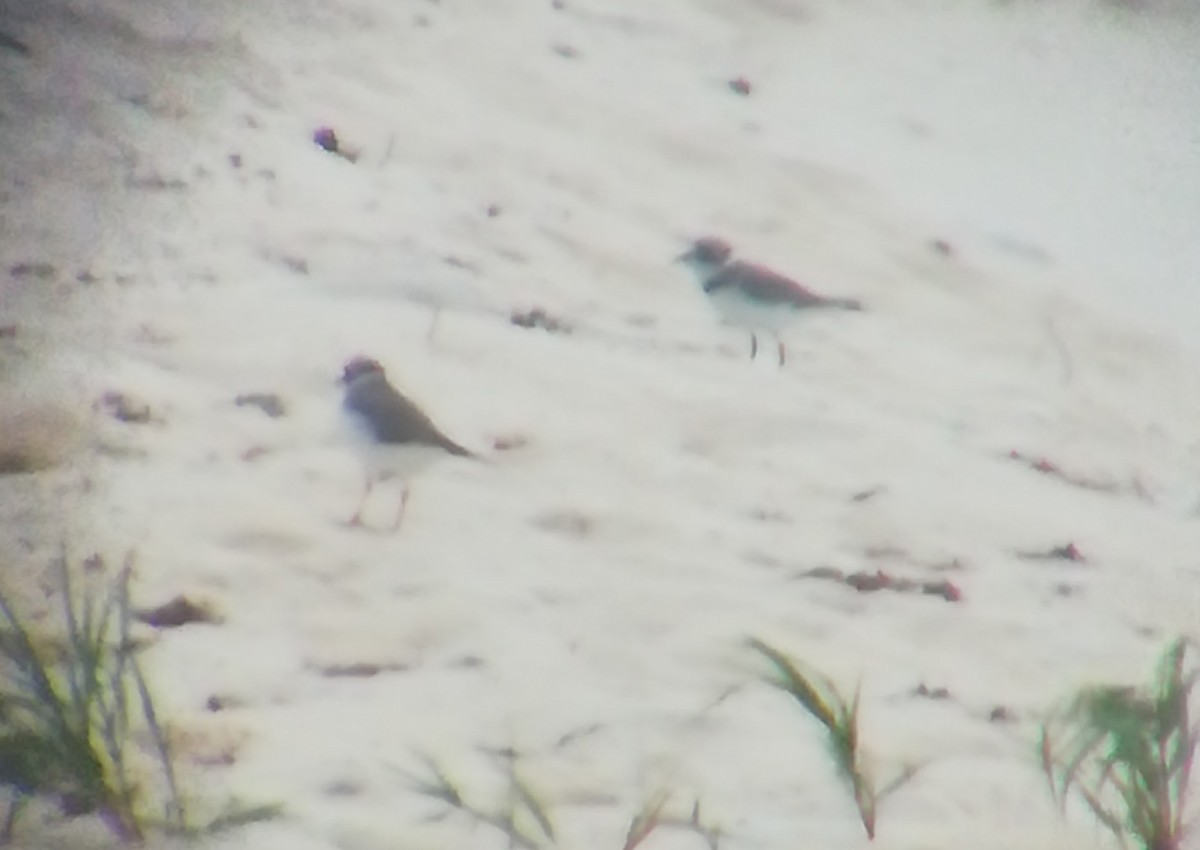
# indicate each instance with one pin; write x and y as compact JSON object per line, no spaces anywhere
{"x":702,"y":270}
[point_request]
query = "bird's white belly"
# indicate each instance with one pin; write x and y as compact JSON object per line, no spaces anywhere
{"x":387,"y":460}
{"x":737,"y":309}
{"x":400,"y":461}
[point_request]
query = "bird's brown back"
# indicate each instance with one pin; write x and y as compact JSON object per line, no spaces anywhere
{"x":772,"y":287}
{"x":762,"y":283}
{"x":393,"y":418}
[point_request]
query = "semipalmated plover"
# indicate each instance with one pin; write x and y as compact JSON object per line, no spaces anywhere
{"x":750,"y":295}
{"x":395,"y":436}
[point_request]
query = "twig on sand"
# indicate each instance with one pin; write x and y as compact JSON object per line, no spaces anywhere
{"x":1048,"y":467}
{"x":13,"y":44}
{"x":433,"y":323}
{"x":1061,"y":347}
{"x":387,"y":153}
{"x":650,"y":818}
{"x":521,"y":801}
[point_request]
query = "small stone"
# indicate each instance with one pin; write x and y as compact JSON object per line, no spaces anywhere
{"x":1070,"y":552}
{"x":740,"y":85}
{"x":254,"y":453}
{"x":359,"y":670}
{"x":42,"y":271}
{"x":326,"y":139}
{"x":509,"y":442}
{"x":155,"y":182}
{"x":864,"y":495}
{"x":923,"y":690}
{"x":865,"y":582}
{"x":948,"y":590}
{"x":297,"y":264}
{"x":825,"y":572}
{"x":456,"y":262}
{"x":343,"y":788}
{"x":539,"y":318}
{"x":468,"y":662}
{"x":124,"y":409}
{"x":269,"y":403}
{"x":180,"y":611}
{"x":567,"y":522}
{"x":14,"y":44}
{"x":1000,"y":714}
{"x":1066,"y":552}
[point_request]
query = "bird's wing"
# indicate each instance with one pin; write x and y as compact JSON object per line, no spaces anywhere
{"x":393,"y":418}
{"x":763,"y":283}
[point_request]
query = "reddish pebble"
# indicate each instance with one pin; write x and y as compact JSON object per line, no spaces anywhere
{"x":942,"y":247}
{"x":740,"y":85}
{"x":868,"y":582}
{"x":1000,"y":714}
{"x":326,"y":139}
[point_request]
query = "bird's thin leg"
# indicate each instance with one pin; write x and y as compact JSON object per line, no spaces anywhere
{"x":782,"y":354}
{"x":433,"y":323}
{"x":357,"y":518}
{"x":403,"y":504}
{"x":753,"y":345}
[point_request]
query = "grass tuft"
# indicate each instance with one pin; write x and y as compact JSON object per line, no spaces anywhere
{"x":1128,"y":752}
{"x":647,"y":819}
{"x":521,"y":804}
{"x":652,"y":817}
{"x":68,"y":713}
{"x":839,"y":716}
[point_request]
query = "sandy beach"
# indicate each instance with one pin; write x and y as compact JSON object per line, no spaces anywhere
{"x":1009,"y":189}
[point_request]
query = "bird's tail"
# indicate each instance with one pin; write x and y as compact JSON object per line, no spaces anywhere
{"x":843,"y":303}
{"x":458,"y":451}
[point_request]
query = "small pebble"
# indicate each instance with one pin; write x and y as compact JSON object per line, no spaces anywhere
{"x":326,"y":139}
{"x":740,"y":85}
{"x":269,"y":403}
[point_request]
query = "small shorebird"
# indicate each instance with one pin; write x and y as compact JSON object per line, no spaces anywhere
{"x":395,"y":436}
{"x":752,"y":296}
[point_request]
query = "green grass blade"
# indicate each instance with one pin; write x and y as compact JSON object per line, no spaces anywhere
{"x":811,"y":690}
{"x":1127,"y":753}
{"x":533,"y":805}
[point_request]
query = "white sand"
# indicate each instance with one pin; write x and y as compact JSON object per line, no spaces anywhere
{"x":603,"y":577}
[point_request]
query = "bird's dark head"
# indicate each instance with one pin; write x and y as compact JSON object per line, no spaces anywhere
{"x":359,"y":366}
{"x":706,"y":258}
{"x":708,"y":251}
